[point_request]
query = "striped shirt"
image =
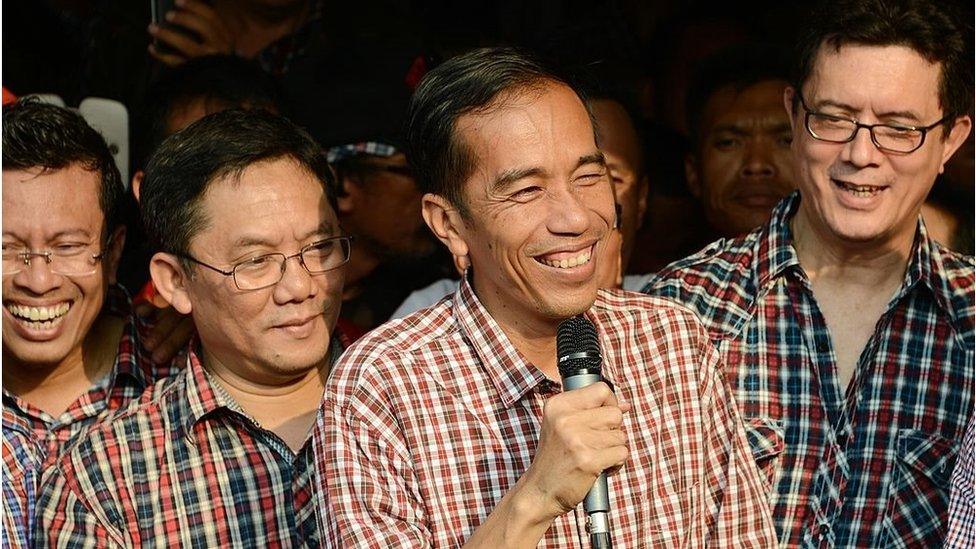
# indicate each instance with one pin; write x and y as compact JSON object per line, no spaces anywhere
{"x":430,"y":420}
{"x":962,"y":501}
{"x":33,"y":438}
{"x":868,"y":466}
{"x":184,"y":466}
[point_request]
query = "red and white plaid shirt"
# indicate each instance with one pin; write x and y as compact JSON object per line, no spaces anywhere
{"x":429,"y":420}
{"x":34,"y":439}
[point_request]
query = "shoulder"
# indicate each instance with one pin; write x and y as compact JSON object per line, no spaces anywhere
{"x":956,"y":278}
{"x":390,"y":352}
{"x":717,"y":283}
{"x":108,"y":447}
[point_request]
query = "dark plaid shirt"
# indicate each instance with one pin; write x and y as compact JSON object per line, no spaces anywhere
{"x":865,"y":467}
{"x":184,"y":466}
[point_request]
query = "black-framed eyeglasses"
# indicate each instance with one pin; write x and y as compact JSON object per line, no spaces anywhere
{"x":896,"y":138}
{"x":267,"y":270}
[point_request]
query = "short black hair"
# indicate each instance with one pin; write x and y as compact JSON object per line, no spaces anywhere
{"x":932,"y":29}
{"x":468,"y":83}
{"x":40,"y":135}
{"x":221,"y":81}
{"x":738,"y":67}
{"x":218,"y":145}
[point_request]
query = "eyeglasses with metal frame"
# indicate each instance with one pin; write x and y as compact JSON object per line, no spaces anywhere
{"x":895,"y":138}
{"x":267,"y":270}
{"x":66,"y":259}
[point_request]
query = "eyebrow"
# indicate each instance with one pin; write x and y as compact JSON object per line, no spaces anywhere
{"x":326,"y":227}
{"x":508,"y":177}
{"x":887,"y":114}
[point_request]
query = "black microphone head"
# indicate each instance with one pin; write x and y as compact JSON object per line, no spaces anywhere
{"x":577,"y":347}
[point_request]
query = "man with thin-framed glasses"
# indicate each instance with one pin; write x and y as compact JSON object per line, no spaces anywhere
{"x":72,"y":350}
{"x":847,"y":331}
{"x":241,"y":206}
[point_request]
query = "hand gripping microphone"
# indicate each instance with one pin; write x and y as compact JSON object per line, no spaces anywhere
{"x":579,"y":361}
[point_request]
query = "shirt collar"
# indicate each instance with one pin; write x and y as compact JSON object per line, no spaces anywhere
{"x":512,"y":375}
{"x":775,"y":253}
{"x":199,"y":397}
{"x":202,"y":395}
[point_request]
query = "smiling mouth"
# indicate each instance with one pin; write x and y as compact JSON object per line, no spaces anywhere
{"x":566,"y":260}
{"x":861,"y":191}
{"x":38,"y":318}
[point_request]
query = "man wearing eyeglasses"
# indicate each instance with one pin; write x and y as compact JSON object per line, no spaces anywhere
{"x":847,"y":331}
{"x":72,"y":352}
{"x":241,"y":205}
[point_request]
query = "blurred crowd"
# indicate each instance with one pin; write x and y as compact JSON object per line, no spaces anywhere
{"x":689,"y":106}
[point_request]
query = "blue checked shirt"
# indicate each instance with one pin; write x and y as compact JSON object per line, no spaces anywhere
{"x":868,"y":466}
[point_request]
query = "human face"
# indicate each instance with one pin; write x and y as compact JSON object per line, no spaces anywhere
{"x":743,"y":163}
{"x":43,"y":210}
{"x":621,"y":146}
{"x":283,"y":331}
{"x":540,"y":205}
{"x":853,"y":193}
{"x":382,"y":209}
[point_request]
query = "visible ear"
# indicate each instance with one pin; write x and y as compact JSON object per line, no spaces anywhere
{"x":113,"y":253}
{"x":171,"y":281}
{"x":788,"y":103}
{"x":349,"y":196}
{"x":691,"y":175}
{"x":137,"y":183}
{"x":448,"y":226}
{"x":960,"y":131}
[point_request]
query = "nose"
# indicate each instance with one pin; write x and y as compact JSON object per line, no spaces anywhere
{"x":567,"y":213}
{"x":758,"y":162}
{"x":37,"y":277}
{"x":296,"y":284}
{"x":861,"y":151}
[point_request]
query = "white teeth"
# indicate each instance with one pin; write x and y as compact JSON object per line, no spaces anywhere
{"x":39,"y":314}
{"x":569,"y":263}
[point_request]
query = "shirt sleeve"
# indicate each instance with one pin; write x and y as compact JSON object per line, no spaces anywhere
{"x":63,"y":518}
{"x":962,"y":503}
{"x":737,"y":502}
{"x":365,"y":468}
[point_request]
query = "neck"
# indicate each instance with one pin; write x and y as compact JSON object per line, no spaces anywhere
{"x":826,"y":257}
{"x":283,"y":404}
{"x":534,"y":337}
{"x":255,"y":26}
{"x":52,"y":388}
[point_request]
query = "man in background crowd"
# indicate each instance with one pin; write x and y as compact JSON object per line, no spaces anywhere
{"x":740,"y":165}
{"x":71,"y":347}
{"x":846,"y":330}
{"x":358,"y":119}
{"x":449,"y":427}
{"x":241,"y":205}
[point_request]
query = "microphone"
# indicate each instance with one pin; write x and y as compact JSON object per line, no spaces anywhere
{"x":579,"y":360}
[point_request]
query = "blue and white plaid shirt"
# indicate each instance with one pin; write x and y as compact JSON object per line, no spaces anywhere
{"x":868,"y":466}
{"x":962,"y":502}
